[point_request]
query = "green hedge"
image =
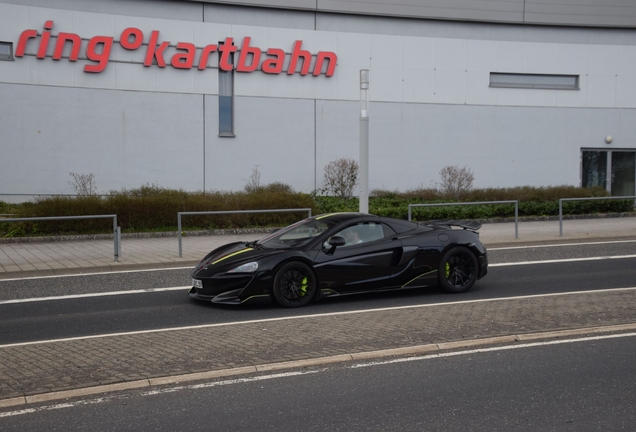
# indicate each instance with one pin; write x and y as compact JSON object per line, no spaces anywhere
{"x":152,"y":208}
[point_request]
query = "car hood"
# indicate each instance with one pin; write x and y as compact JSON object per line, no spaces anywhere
{"x":231,"y":256}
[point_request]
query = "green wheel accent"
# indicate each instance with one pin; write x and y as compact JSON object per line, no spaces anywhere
{"x":447,"y":269}
{"x":294,"y":285}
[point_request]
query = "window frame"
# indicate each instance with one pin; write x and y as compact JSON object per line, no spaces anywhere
{"x":7,"y":57}
{"x":537,"y":86}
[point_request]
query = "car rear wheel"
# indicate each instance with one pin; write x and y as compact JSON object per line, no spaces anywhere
{"x":457,"y":270}
{"x":294,"y":285}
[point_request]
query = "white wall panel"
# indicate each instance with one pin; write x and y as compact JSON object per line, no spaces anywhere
{"x":135,"y":77}
{"x":146,"y":25}
{"x":286,"y":86}
{"x":354,"y":50}
{"x":173,"y":80}
{"x":15,"y":72}
{"x":62,"y":20}
{"x":387,"y":84}
{"x":283,"y":39}
{"x":542,"y":58}
{"x":13,"y":21}
{"x":419,"y":53}
{"x":477,"y":90}
{"x":206,"y":81}
{"x":601,"y":91}
{"x":481,"y":56}
{"x":511,"y":57}
{"x":104,"y":80}
{"x":209,"y":33}
{"x":602,"y":60}
{"x":626,"y":91}
{"x":62,"y":74}
{"x":88,"y":25}
{"x":275,"y":134}
{"x":541,"y":98}
{"x":251,"y":84}
{"x":450,"y":54}
{"x":574,"y":98}
{"x":320,"y":87}
{"x":258,"y":37}
{"x":572,"y":59}
{"x":626,"y":60}
{"x":348,"y":82}
{"x":418,"y":85}
{"x":174,"y":31}
{"x":315,"y":41}
{"x":450,"y":86}
{"x":511,"y":96}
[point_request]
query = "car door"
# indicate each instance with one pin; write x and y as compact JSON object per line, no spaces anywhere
{"x":361,"y":265}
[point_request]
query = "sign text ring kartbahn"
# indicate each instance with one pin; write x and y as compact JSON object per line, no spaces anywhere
{"x":99,"y":48}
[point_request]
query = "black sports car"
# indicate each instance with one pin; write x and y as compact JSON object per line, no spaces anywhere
{"x":342,"y":253}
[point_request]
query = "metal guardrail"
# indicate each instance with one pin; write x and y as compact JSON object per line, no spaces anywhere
{"x":308,"y":210}
{"x":583,"y":199}
{"x":515,"y":202}
{"x":116,"y":229}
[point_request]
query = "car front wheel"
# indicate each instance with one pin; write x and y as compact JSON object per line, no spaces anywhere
{"x":294,"y":285}
{"x":457,"y":270}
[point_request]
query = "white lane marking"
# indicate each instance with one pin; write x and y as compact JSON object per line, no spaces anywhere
{"x":561,"y":245}
{"x":301,"y":373}
{"x":230,"y":382}
{"x":564,"y":260}
{"x":109,"y":293}
{"x":96,"y":273}
{"x":330,"y":314}
{"x":493,"y":349}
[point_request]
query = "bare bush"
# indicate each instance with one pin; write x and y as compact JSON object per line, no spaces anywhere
{"x":341,"y":177}
{"x":253,"y":183}
{"x":83,"y":184}
{"x":456,"y":181}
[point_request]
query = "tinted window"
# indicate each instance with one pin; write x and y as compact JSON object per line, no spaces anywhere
{"x":402,"y":226}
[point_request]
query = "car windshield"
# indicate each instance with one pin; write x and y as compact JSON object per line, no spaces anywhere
{"x":296,"y":234}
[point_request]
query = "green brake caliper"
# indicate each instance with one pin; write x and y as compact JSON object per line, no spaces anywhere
{"x":447,"y":269}
{"x":303,"y":287}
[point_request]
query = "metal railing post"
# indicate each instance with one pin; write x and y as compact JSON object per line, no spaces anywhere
{"x":585,"y":199}
{"x":179,"y":214}
{"x":115,"y":239}
{"x":179,"y":233}
{"x":515,"y":202}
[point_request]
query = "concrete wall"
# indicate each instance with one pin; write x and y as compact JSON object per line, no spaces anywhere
{"x":431,"y":104}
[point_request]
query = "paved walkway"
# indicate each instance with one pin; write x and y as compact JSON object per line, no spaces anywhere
{"x":50,"y":258}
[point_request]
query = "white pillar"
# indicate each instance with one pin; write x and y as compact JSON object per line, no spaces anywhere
{"x":363,"y":180}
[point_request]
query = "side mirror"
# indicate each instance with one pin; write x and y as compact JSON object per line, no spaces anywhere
{"x":337,"y":241}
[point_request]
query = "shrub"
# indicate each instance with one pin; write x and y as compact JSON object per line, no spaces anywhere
{"x":341,"y":177}
{"x":83,"y":184}
{"x":456,"y":181}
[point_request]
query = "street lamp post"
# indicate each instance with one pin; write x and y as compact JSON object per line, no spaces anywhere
{"x":364,"y":141}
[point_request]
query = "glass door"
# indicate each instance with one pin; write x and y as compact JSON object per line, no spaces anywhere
{"x":614,"y":170}
{"x":623,"y":173}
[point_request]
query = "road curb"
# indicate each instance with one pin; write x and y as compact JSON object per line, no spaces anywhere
{"x":413,"y":350}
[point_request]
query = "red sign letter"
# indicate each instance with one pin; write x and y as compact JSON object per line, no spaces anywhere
{"x":125,"y":42}
{"x":184,"y":60}
{"x":274,"y":66}
{"x":322,"y":55}
{"x":24,"y":38}
{"x":296,"y":53}
{"x":101,"y":58}
{"x":75,"y":46}
{"x":203,"y":61}
{"x":226,"y":49}
{"x":245,"y":50}
{"x":155,"y":52}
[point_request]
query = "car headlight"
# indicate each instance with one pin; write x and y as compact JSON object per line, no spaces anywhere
{"x":249,"y":267}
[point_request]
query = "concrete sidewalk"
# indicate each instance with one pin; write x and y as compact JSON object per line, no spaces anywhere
{"x":84,"y":256}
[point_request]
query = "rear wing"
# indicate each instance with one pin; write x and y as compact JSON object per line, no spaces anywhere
{"x":471,"y":225}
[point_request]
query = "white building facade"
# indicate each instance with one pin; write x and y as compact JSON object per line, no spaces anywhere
{"x":195,"y":94}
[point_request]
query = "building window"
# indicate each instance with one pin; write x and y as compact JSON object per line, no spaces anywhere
{"x":534,"y":81}
{"x":226,"y":101}
{"x":614,"y":170}
{"x":6,"y":51}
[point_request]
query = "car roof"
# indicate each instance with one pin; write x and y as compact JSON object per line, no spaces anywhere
{"x":345,"y":216}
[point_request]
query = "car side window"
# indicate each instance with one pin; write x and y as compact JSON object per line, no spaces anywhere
{"x":363,"y":232}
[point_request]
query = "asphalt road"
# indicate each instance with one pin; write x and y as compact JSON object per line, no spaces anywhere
{"x":579,"y":386}
{"x":510,"y":275}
